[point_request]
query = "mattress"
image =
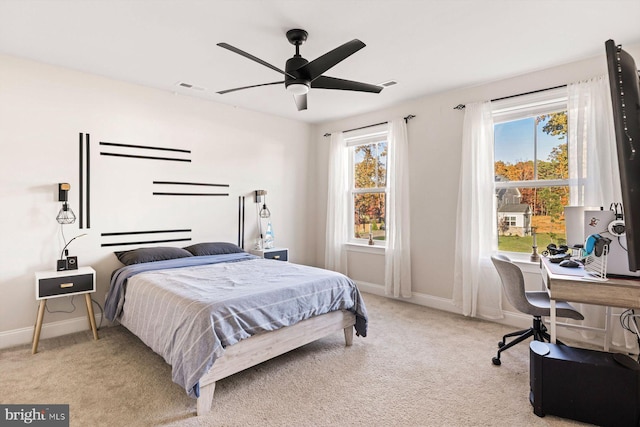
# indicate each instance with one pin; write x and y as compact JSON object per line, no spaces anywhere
{"x":188,"y":310}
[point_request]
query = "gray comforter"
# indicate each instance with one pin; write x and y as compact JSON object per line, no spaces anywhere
{"x":189,"y":314}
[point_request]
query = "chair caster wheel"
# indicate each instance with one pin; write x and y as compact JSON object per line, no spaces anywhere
{"x":496,"y":361}
{"x":500,"y":344}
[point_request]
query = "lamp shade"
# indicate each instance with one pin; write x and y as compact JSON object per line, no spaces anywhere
{"x":265,"y":212}
{"x":298,"y":88}
{"x":66,"y":215}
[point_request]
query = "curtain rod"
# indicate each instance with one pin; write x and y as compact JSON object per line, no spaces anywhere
{"x":462,"y":106}
{"x":406,"y":120}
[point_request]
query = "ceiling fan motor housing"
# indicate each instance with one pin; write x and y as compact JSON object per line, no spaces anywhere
{"x":292,"y":67}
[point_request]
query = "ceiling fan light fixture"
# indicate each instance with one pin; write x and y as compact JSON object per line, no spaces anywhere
{"x":298,"y":88}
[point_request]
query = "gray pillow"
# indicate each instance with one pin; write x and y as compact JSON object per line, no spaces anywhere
{"x":213,"y":248}
{"x":160,"y":253}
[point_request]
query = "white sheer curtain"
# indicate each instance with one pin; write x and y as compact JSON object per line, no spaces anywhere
{"x":593,"y":167}
{"x":335,"y":256}
{"x":397,"y":256}
{"x":477,"y":289}
{"x":593,"y":163}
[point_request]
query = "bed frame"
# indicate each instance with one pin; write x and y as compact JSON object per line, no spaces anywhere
{"x":262,"y":347}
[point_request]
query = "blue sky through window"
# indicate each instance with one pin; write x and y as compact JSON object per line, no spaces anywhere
{"x":514,"y":141}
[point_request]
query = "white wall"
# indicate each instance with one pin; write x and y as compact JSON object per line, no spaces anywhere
{"x":42,"y":111}
{"x":435,"y":142}
{"x":43,"y":108}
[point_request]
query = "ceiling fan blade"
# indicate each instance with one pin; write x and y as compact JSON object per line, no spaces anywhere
{"x":222,"y":92}
{"x":318,"y":66}
{"x":325,"y":82}
{"x":253,"y":58}
{"x":301,"y":101}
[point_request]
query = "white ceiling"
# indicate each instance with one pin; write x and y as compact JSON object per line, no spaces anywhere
{"x":428,"y":46}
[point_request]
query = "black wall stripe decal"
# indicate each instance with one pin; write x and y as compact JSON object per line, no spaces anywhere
{"x":190,"y":183}
{"x":133,"y":156}
{"x":164,"y":193}
{"x":81,"y":181}
{"x":136,"y":147}
{"x":187,"y":193}
{"x":145,"y":147}
{"x":84,"y":209}
{"x":88,"y":182}
{"x":144,"y":242}
{"x":127,"y":233}
{"x":126,"y":242}
{"x":241,"y":221}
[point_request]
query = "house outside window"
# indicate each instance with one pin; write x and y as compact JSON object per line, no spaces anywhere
{"x":531,"y":170}
{"x":368,"y":185}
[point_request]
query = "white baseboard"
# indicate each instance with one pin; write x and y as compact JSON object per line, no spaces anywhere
{"x":22,"y":336}
{"x":417,"y":298}
{"x":516,"y":320}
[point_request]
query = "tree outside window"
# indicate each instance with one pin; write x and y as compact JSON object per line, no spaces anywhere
{"x":369,"y":171}
{"x":532,"y":173}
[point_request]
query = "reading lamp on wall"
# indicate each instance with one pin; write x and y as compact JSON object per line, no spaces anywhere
{"x":66,"y":215}
{"x":264,"y":212}
{"x":261,"y":197}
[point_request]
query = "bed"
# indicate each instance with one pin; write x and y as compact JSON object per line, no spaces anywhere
{"x":212,"y":312}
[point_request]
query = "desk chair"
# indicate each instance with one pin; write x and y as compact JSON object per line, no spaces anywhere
{"x":536,"y":304}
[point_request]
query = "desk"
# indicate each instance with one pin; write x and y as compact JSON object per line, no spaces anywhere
{"x":576,"y":285}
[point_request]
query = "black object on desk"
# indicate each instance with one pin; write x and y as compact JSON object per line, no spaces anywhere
{"x":569,"y":263}
{"x":584,"y":385}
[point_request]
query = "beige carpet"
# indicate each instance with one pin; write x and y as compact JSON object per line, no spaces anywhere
{"x":417,"y":367}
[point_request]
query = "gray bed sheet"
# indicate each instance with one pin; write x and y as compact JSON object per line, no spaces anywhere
{"x":188,"y":315}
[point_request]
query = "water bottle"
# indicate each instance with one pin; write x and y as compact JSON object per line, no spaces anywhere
{"x":268,"y":237}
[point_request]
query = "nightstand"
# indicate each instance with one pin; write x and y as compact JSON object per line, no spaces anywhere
{"x":54,"y":284}
{"x":280,"y":254}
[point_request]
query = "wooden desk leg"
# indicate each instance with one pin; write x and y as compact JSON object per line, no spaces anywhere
{"x":38,"y":326}
{"x":553,"y":320}
{"x":92,"y":319}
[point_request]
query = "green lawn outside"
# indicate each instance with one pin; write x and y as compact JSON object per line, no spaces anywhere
{"x":523,"y":244}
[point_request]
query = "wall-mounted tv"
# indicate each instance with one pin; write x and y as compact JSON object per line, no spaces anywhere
{"x":624,"y":82}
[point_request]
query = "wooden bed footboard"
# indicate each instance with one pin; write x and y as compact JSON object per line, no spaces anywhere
{"x":262,"y":347}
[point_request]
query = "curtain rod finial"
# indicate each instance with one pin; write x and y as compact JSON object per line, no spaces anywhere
{"x":459,"y":107}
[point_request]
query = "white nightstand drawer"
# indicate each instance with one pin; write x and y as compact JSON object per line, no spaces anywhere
{"x":63,"y":283}
{"x":52,"y":284}
{"x":280,"y":254}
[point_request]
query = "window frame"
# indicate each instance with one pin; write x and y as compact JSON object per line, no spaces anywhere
{"x":522,"y":107}
{"x":369,"y":135}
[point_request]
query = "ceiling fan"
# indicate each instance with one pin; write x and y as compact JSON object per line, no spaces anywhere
{"x":301,"y":75}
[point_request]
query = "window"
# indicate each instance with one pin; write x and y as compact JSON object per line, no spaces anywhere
{"x":531,"y":170}
{"x":368,"y":185}
{"x":510,"y":221}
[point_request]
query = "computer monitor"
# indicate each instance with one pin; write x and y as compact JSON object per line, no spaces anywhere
{"x":624,"y":83}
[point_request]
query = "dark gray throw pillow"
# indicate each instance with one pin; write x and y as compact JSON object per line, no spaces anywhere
{"x":213,"y":248}
{"x":161,"y":253}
